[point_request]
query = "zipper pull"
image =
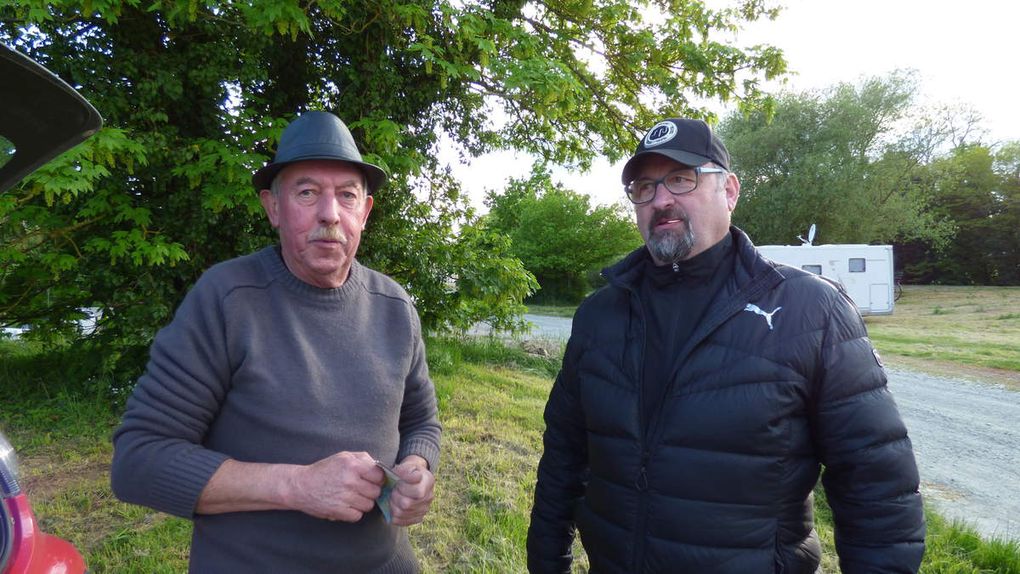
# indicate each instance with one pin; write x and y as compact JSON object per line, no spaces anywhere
{"x":642,"y":480}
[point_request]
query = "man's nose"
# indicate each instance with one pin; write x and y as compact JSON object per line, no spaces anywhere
{"x":329,"y":208}
{"x":662,"y":195}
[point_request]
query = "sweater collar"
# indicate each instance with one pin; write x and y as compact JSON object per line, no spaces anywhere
{"x":273,"y":259}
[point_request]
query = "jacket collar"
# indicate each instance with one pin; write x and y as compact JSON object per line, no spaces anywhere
{"x":626,"y":273}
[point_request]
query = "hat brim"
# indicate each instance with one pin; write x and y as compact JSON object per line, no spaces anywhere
{"x":682,"y":157}
{"x":374,"y":175}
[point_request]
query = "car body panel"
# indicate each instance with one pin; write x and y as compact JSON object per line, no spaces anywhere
{"x":41,"y":115}
{"x":34,"y":551}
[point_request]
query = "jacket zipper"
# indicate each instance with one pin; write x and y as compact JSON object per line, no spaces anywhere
{"x":641,"y":484}
{"x":649,"y":431}
{"x":646,"y":436}
{"x":641,"y":481}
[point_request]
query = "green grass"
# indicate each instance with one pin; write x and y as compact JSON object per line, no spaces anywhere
{"x":553,"y":310}
{"x":491,"y":402}
{"x":945,"y":326}
{"x":955,"y":548}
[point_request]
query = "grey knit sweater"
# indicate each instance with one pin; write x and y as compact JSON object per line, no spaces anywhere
{"x":259,"y":366}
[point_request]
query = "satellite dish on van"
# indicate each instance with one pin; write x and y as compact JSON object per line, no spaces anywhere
{"x":810,"y":235}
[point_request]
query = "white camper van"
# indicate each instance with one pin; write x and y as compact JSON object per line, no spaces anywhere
{"x":865,"y":271}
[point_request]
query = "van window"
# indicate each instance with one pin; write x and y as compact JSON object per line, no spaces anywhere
{"x":816,"y":269}
{"x":857,"y":265}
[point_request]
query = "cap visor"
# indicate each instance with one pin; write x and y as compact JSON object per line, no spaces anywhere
{"x":684,"y":158}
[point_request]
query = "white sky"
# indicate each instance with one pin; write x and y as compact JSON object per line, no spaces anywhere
{"x":965,"y":53}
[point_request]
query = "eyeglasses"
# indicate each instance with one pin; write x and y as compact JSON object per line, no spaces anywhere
{"x":677,"y":182}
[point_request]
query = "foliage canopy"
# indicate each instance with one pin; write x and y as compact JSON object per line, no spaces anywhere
{"x":977,"y":188}
{"x":559,"y":236}
{"x":195,"y":95}
{"x":868,"y":165}
{"x":834,"y":159}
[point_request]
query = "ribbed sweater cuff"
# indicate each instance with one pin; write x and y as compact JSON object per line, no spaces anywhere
{"x":423,"y":448}
{"x":177,"y":491}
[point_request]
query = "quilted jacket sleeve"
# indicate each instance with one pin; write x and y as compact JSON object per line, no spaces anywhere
{"x":870,"y":475}
{"x":560,"y":473}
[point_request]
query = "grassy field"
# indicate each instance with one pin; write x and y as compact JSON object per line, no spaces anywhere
{"x":491,"y":399}
{"x":954,"y":329}
{"x":552,"y":310}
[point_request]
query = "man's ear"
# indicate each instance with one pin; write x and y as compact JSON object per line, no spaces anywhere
{"x":369,"y":202}
{"x":270,"y":203}
{"x":732,"y":191}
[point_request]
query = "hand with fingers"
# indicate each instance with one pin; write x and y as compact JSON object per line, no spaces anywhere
{"x":343,"y":486}
{"x":412,"y":497}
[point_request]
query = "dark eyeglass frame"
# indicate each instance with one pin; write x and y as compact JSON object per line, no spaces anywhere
{"x":655,"y":182}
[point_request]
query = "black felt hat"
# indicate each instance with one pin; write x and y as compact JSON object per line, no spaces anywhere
{"x":317,"y":135}
{"x":689,"y":142}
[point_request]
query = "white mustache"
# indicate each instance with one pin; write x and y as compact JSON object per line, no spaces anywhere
{"x":328,"y":233}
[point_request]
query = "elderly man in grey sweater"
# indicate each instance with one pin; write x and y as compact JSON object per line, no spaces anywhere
{"x":283,"y":378}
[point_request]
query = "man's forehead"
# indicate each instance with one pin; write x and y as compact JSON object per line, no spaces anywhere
{"x":322,"y":171}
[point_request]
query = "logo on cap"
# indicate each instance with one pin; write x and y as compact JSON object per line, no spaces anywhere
{"x":661,"y":133}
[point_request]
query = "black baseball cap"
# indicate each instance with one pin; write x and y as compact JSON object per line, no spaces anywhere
{"x":686,"y":141}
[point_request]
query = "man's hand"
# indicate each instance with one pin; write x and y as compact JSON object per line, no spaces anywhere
{"x":343,"y":486}
{"x":410,"y":500}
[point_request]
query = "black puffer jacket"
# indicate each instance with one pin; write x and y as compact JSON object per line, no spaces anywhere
{"x":718,"y":479}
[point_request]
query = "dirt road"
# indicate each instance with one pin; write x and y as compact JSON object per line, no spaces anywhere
{"x":966,"y":436}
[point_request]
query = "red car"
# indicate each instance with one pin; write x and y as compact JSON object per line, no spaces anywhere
{"x":24,"y":549}
{"x":40,"y":117}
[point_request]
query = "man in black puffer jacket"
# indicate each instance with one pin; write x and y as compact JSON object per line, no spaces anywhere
{"x":704,"y":390}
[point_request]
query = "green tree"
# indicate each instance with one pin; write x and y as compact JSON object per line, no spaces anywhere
{"x":833,"y":158}
{"x":1006,"y":249}
{"x":195,"y":95}
{"x":559,"y":236}
{"x":978,"y":191}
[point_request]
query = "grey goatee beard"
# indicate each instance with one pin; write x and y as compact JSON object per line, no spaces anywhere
{"x":670,"y":246}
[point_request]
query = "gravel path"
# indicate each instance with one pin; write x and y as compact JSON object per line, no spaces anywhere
{"x":966,"y":437}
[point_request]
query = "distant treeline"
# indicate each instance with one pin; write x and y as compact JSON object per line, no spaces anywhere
{"x":867,"y":165}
